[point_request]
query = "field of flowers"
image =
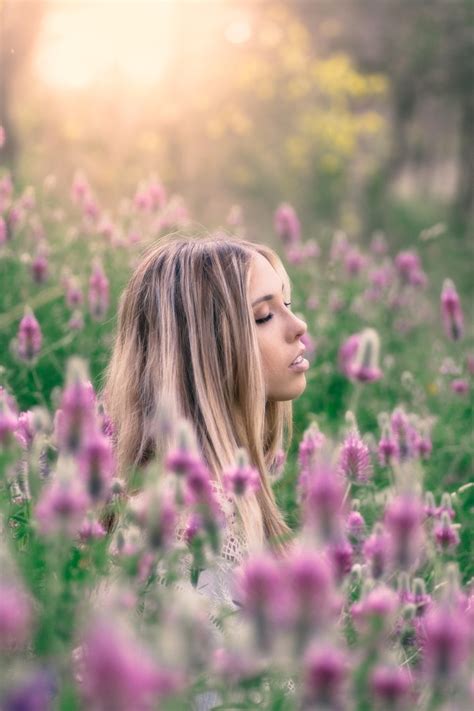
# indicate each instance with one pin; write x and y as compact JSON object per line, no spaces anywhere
{"x":374,"y":608}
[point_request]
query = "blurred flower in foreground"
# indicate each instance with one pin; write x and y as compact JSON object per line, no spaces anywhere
{"x":76,"y":414}
{"x":451,"y":312}
{"x":15,"y":616}
{"x":325,"y":669}
{"x":62,"y":505}
{"x":242,"y":478}
{"x":390,"y":685}
{"x":444,"y":640}
{"x":35,"y":692}
{"x":117,"y":673}
{"x":8,"y":419}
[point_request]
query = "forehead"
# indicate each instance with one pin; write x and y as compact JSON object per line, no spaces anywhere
{"x":263,"y":277}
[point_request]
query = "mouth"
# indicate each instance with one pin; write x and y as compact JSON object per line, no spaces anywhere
{"x":297,"y":360}
{"x":300,"y":364}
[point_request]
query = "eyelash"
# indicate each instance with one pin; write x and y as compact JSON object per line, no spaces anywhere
{"x":267,"y":318}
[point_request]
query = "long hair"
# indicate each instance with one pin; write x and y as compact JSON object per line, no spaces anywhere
{"x":186,"y":340}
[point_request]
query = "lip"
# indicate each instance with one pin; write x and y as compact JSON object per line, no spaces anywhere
{"x":301,"y":352}
{"x":300,"y":367}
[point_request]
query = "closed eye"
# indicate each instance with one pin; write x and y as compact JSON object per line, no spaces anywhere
{"x":267,"y":318}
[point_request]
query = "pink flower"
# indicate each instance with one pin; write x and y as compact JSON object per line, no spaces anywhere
{"x":61,"y":507}
{"x":347,"y":353}
{"x":451,"y":311}
{"x":2,"y":136}
{"x":29,"y":337}
{"x":76,"y":415}
{"x":444,"y":639}
{"x":340,"y":554}
{"x":355,"y":526}
{"x":25,"y":431}
{"x":80,"y":187}
{"x":325,"y":670}
{"x":376,"y":550}
{"x":98,"y":292}
{"x":376,"y":610}
{"x":258,"y":584}
{"x":403,"y":519}
{"x":390,"y":684}
{"x":91,"y":530}
{"x":388,"y":450}
{"x":460,"y":386}
{"x":287,"y":224}
{"x":74,"y":295}
{"x":241,"y":479}
{"x":309,"y":447}
{"x":404,"y":432}
{"x":323,"y":497}
{"x":8,"y":419}
{"x":96,"y":465}
{"x":445,"y":533}
{"x":308,"y":580}
{"x":354,"y":459}
{"x":3,"y":231}
{"x":354,"y":261}
{"x":15,"y":616}
{"x":182,"y":461}
{"x":120,"y":674}
{"x":76,"y":322}
{"x":39,"y":268}
{"x":407,"y":263}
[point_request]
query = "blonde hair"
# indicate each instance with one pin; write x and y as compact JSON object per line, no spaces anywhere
{"x":186,"y":340}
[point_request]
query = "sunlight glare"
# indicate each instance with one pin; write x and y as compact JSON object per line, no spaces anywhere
{"x":82,"y":43}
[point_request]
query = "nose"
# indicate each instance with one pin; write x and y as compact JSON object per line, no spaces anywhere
{"x":299,"y":327}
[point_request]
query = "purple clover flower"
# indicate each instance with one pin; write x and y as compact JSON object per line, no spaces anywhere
{"x":119,"y":674}
{"x":446,"y":534}
{"x":8,"y":419}
{"x":406,"y":264}
{"x":98,"y":292}
{"x":325,"y":669}
{"x":390,"y":685}
{"x":242,"y":478}
{"x":354,"y":459}
{"x":61,"y":507}
{"x":451,"y":311}
{"x":76,"y":415}
{"x":15,"y":616}
{"x":96,"y":465}
{"x":287,"y":224}
{"x":403,"y":519}
{"x":323,"y":500}
{"x":29,"y":338}
{"x":376,"y":550}
{"x":309,"y":447}
{"x":444,"y":638}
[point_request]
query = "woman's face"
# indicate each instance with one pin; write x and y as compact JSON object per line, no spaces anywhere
{"x":278,"y":333}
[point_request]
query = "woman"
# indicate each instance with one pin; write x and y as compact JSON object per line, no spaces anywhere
{"x":205,"y":330}
{"x":205,"y":327}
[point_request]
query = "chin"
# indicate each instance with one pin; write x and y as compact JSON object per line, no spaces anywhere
{"x":289,"y":394}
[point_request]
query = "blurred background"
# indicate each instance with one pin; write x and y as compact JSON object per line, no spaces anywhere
{"x":124,"y":120}
{"x":358,"y":112}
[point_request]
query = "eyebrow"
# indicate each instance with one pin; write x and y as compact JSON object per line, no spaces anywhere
{"x":267,"y":297}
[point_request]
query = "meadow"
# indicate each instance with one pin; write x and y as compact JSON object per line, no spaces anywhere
{"x":374,"y":609}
